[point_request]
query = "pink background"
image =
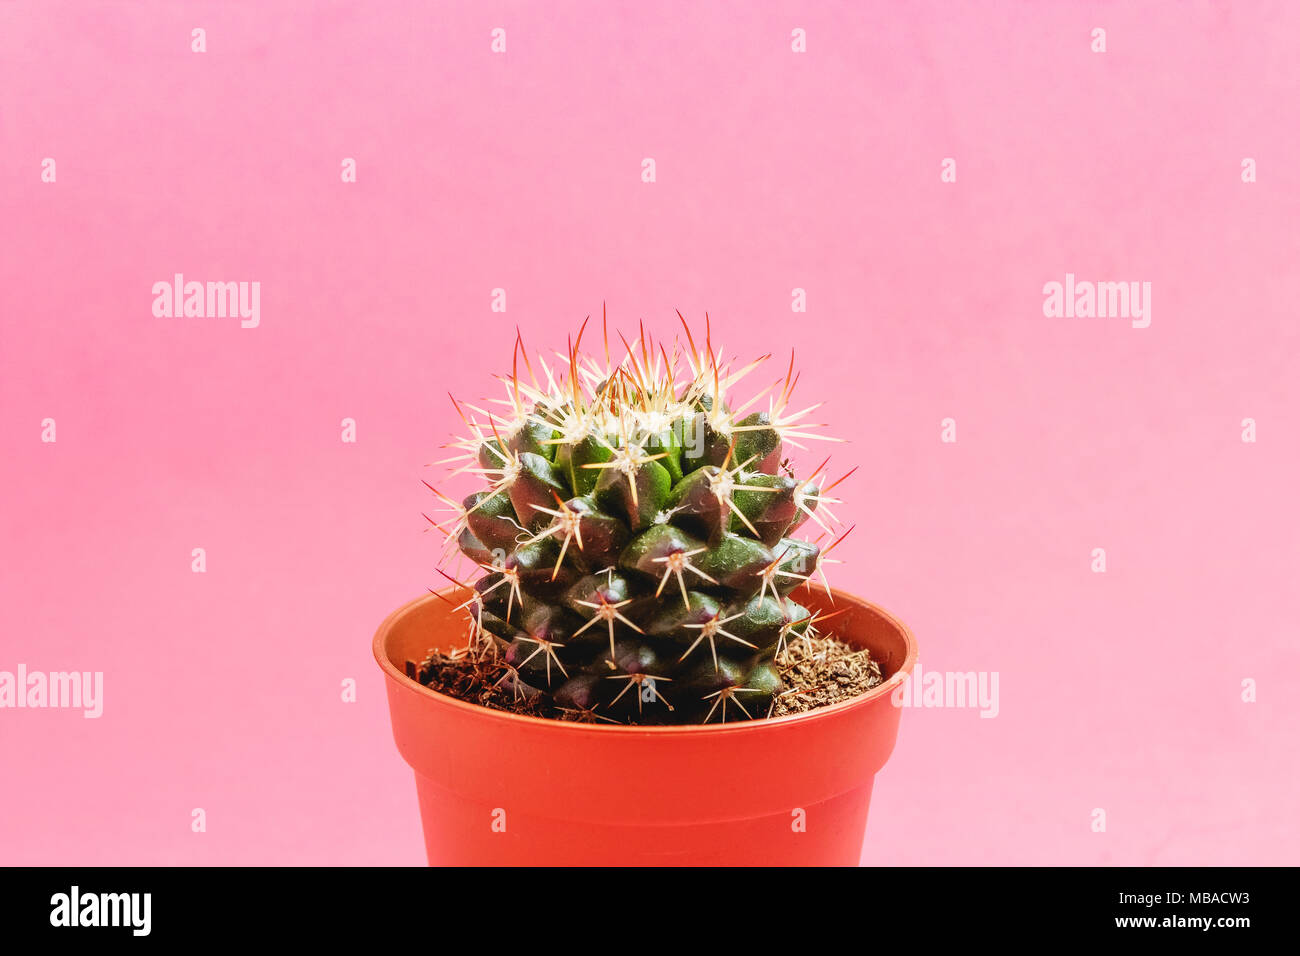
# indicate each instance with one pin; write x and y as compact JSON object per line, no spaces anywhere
{"x":776,"y":170}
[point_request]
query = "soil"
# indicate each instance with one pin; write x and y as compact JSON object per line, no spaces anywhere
{"x":817,"y":671}
{"x":822,"y":671}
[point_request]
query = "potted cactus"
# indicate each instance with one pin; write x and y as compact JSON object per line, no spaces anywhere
{"x":650,"y":666}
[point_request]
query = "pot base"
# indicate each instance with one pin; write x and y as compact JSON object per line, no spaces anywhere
{"x":471,"y":833}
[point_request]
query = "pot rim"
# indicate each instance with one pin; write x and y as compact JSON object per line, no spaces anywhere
{"x":757,"y":724}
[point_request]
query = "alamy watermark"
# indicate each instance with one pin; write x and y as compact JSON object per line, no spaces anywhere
{"x":70,"y":690}
{"x":75,"y":908}
{"x":1082,"y":299}
{"x":211,"y":300}
{"x":951,"y":689}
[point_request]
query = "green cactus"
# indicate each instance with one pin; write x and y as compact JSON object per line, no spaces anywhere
{"x":635,"y":534}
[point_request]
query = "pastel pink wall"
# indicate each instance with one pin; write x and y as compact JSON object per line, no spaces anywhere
{"x":776,"y":170}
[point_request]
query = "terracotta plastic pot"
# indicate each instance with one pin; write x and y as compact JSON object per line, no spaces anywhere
{"x":505,"y":790}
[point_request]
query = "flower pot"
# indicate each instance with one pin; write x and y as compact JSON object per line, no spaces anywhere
{"x":507,"y":790}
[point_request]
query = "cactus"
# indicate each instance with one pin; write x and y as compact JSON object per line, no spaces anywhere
{"x":636,"y":533}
